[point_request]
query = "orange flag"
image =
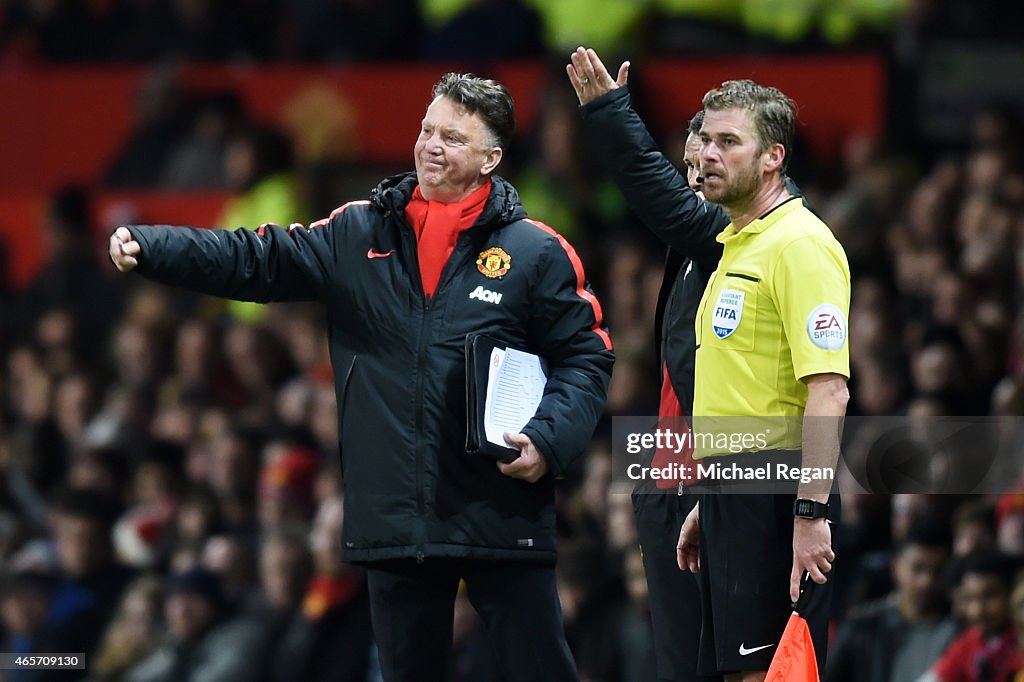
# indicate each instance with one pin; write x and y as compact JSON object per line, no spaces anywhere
{"x":794,"y":659}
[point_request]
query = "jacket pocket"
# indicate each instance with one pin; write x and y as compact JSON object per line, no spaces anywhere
{"x":342,"y":393}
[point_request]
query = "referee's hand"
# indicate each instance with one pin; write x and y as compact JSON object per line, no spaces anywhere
{"x":812,"y":552}
{"x":688,"y":547}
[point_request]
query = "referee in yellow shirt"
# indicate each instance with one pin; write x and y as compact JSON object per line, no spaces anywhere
{"x":771,"y":342}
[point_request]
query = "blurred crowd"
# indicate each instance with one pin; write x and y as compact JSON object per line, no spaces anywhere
{"x":170,"y":493}
{"x":346,"y":31}
{"x":170,"y":490}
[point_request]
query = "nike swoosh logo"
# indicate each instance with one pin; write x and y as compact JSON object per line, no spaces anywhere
{"x":379,"y":254}
{"x":744,"y":651}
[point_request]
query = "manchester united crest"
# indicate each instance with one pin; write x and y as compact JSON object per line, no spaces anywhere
{"x":494,"y":262}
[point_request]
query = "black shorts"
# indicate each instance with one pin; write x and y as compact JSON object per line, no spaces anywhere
{"x":746,"y":554}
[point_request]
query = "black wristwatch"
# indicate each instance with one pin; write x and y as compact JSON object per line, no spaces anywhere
{"x":809,"y":509}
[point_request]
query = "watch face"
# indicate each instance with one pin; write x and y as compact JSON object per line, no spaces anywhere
{"x":807,"y":508}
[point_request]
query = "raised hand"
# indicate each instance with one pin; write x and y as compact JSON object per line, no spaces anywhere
{"x":589,"y":77}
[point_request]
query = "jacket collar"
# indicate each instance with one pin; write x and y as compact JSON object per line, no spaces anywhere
{"x":503,"y":206}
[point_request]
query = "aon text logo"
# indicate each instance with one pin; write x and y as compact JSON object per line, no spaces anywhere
{"x":486,"y":295}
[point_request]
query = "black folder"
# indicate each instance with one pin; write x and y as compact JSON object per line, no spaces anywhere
{"x":478,"y":358}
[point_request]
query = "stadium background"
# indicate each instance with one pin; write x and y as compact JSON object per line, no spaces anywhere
{"x":204,"y":433}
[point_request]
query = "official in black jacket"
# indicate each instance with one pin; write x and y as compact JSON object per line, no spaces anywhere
{"x":670,"y":205}
{"x":667,"y":203}
{"x":431,"y":257}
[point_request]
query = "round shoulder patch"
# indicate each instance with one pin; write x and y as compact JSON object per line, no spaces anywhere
{"x":826,"y":327}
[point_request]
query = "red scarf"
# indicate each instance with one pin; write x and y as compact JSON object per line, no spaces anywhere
{"x":437,"y":226}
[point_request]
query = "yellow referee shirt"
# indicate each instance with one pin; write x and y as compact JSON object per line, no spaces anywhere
{"x":773,"y":313}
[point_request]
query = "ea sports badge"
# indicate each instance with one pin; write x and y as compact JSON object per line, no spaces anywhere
{"x":728,"y":312}
{"x":826,"y":327}
{"x":494,"y":262}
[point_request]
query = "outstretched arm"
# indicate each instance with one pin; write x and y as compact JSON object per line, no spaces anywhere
{"x":271,"y":264}
{"x":654,"y":189}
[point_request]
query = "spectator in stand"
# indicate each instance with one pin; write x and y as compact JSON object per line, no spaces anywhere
{"x":330,"y":640}
{"x":197,"y":518}
{"x":72,"y":279}
{"x":25,"y":601}
{"x":204,"y":644}
{"x":232,"y":471}
{"x":284,"y":571}
{"x":987,"y":651}
{"x":974,"y":527}
{"x":90,"y":581}
{"x":1010,"y":516}
{"x":259,"y":165}
{"x":259,"y":168}
{"x":134,"y":631}
{"x":161,"y":122}
{"x":233,"y":560}
{"x":286,"y":485}
{"x":899,"y":637}
{"x":199,"y":161}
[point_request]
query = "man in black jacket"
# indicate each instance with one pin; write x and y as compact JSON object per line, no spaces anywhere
{"x":432,"y":256}
{"x":671,"y":206}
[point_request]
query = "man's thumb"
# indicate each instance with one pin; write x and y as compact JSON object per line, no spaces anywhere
{"x":515,"y":439}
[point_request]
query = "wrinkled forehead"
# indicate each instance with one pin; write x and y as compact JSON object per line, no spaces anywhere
{"x":450,"y":115}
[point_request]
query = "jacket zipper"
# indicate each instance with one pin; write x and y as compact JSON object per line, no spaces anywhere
{"x":446,"y":273}
{"x":420,"y":501}
{"x":412,"y":257}
{"x":420,"y":362}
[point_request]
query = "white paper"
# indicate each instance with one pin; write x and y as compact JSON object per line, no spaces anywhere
{"x":515,"y":385}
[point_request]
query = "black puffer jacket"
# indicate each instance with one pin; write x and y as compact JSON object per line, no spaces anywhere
{"x":411,"y":489}
{"x":658,"y":193}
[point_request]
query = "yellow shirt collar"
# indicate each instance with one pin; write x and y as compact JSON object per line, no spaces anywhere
{"x":764,"y":222}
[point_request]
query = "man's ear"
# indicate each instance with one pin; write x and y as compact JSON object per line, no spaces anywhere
{"x":492,"y":157}
{"x":773,"y":157}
